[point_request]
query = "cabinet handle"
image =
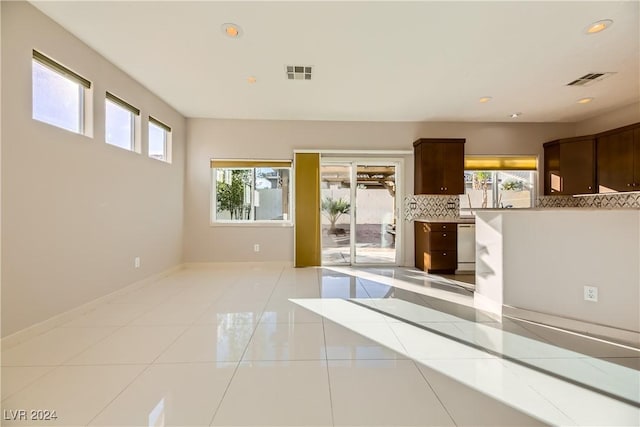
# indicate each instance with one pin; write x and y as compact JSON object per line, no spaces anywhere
{"x":589,"y":187}
{"x":629,"y":185}
{"x":445,"y":188}
{"x":444,"y":234}
{"x":444,"y":254}
{"x":444,"y":227}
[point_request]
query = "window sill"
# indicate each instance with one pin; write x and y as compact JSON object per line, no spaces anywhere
{"x":280,"y":224}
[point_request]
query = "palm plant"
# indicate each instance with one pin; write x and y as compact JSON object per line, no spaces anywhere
{"x":334,"y":209}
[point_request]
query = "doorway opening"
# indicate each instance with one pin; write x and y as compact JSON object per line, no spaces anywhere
{"x":359,"y":222}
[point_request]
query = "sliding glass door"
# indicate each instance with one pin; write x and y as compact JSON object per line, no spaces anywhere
{"x":335,"y":203}
{"x":358,"y":202}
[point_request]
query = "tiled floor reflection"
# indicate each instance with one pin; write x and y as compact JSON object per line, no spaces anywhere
{"x":267,"y":344}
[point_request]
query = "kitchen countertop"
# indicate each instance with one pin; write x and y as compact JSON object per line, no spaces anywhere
{"x":457,"y":220}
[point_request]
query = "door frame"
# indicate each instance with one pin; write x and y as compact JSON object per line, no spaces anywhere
{"x":353,"y":162}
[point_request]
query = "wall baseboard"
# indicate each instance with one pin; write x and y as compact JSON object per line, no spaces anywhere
{"x":487,"y":304}
{"x":595,"y":330}
{"x":66,"y":316}
{"x":249,"y":264}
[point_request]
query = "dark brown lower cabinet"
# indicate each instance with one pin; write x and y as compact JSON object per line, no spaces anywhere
{"x":436,"y":246}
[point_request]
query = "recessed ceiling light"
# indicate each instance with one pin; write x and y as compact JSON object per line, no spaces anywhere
{"x":485,"y":99}
{"x":598,"y":26}
{"x":231,"y":30}
{"x":585,"y":100}
{"x":515,"y":115}
{"x":251,"y":79}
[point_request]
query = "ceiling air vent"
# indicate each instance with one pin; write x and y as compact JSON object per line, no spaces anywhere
{"x":589,"y":79}
{"x":298,"y":72}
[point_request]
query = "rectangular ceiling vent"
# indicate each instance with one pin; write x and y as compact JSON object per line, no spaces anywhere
{"x":589,"y":79}
{"x":298,"y":72}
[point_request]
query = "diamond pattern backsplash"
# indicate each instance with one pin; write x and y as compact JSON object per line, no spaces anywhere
{"x":421,"y":206}
{"x":604,"y":201}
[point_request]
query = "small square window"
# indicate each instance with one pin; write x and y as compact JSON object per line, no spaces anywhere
{"x":58,"y":94}
{"x":159,"y":140}
{"x":119,"y":125}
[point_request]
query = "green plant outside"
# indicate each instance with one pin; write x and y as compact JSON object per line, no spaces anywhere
{"x":512,"y":185}
{"x":334,"y":209}
{"x":231,"y":196}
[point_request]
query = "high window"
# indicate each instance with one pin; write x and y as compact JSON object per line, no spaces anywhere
{"x":499,"y":182}
{"x":58,"y":94}
{"x":251,"y":191}
{"x":121,"y":119}
{"x":159,"y":140}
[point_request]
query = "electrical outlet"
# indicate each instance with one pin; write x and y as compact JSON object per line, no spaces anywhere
{"x":136,"y":262}
{"x":591,"y":293}
{"x":256,"y":248}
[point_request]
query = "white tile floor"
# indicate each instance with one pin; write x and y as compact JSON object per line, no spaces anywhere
{"x":271,"y":345}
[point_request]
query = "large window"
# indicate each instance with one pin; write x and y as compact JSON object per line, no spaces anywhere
{"x":499,"y":182}
{"x":159,"y":140}
{"x":251,"y":191}
{"x":120,"y":123}
{"x":58,"y":94}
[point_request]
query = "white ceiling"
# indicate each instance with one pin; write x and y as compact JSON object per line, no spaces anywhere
{"x":386,"y":61}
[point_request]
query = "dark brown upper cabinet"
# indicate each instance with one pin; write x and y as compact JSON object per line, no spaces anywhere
{"x":569,"y":166}
{"x":618,"y":159}
{"x":439,"y":166}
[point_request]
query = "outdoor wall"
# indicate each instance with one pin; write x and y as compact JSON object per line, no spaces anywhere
{"x":76,"y":211}
{"x":614,"y":119}
{"x":376,"y":205}
{"x":261,"y":139}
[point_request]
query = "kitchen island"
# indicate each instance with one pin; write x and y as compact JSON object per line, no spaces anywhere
{"x":535,"y":264}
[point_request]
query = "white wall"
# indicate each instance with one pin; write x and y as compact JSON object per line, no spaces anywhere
{"x":540,"y":260}
{"x":76,"y":211}
{"x":623,"y":116}
{"x":211,"y":138}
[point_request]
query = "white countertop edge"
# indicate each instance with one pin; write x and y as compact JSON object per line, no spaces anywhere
{"x":456,"y":220}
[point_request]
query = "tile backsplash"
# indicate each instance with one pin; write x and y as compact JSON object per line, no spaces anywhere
{"x":428,"y":206}
{"x":432,"y":206}
{"x":604,"y":201}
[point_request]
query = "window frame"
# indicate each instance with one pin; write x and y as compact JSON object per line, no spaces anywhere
{"x":85,"y":107}
{"x":251,"y":165}
{"x":501,"y":164}
{"x":495,"y":190}
{"x":152,"y":121}
{"x":135,"y":121}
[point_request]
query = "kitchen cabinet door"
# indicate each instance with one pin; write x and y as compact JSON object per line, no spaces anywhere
{"x":552,"y":176}
{"x":439,"y":166}
{"x":615,"y":160}
{"x":569,"y":166}
{"x":436,"y":247}
{"x":421,"y":243}
{"x":577,"y":166}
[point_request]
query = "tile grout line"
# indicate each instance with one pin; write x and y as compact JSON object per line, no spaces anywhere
{"x":535,"y":391}
{"x":52,"y":368}
{"x":235,"y":371}
{"x":148,"y":366}
{"x":120,"y":393}
{"x":326,"y":353}
{"x":499,"y":355}
{"x":326,"y":357}
{"x":434,"y":391}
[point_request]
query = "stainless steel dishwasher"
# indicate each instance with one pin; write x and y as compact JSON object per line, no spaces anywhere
{"x":466,"y":248}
